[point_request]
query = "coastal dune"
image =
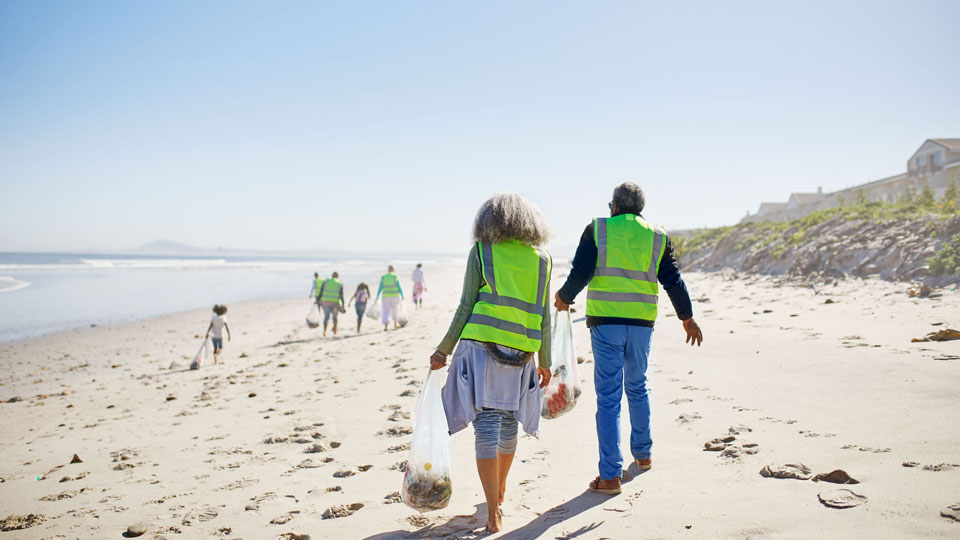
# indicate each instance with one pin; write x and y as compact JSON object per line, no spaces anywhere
{"x":296,"y":434}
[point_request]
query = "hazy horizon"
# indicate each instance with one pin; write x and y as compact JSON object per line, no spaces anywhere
{"x":381,"y":126}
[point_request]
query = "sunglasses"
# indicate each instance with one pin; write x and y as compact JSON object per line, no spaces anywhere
{"x":610,"y":205}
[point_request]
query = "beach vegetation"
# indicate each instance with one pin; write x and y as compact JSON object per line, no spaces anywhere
{"x":946,"y":261}
{"x":779,"y":236}
{"x":950,"y":196}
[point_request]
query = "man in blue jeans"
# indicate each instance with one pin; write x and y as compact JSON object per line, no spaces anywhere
{"x":621,"y":259}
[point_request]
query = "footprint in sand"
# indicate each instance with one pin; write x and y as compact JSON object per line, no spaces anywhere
{"x":797,"y":471}
{"x":311,"y":463}
{"x":343,"y":473}
{"x":398,"y":416}
{"x":398,"y":431}
{"x":841,"y":498}
{"x":199,"y":516}
{"x":341,"y":510}
{"x":687,"y":418}
{"x":315,"y":448}
{"x":284,"y":518}
{"x":952,"y":512}
{"x":18,"y":522}
{"x":392,"y":498}
{"x":837,"y":476}
{"x":62,"y":495}
{"x":418,"y":520}
{"x":941,"y":467}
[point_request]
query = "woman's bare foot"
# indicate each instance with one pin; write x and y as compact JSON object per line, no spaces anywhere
{"x":495,"y":521}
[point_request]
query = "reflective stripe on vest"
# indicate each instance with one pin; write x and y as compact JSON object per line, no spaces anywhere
{"x":511,"y":304}
{"x":624,"y":282}
{"x":331,"y":290}
{"x":389,"y":285}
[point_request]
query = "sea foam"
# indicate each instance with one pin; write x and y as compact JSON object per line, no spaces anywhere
{"x":10,"y":284}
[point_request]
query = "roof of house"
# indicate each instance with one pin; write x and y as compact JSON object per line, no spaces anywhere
{"x":952,"y":145}
{"x":805,"y":197}
{"x":875,"y":183}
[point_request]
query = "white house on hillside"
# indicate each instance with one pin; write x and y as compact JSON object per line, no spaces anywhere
{"x":936,"y":162}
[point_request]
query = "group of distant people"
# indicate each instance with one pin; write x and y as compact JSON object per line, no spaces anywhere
{"x":328,"y":294}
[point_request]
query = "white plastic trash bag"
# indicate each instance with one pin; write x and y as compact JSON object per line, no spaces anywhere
{"x":561,"y":394}
{"x":198,"y":359}
{"x":426,"y":482}
{"x":373,"y":311}
{"x":313,"y":316}
{"x":401,"y":314}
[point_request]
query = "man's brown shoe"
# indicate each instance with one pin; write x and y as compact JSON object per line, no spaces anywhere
{"x":606,"y":487}
{"x":645,"y":464}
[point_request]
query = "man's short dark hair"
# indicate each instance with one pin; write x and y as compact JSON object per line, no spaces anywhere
{"x":629,"y":198}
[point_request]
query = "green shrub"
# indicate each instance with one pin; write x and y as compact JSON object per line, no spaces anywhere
{"x":947,"y":259}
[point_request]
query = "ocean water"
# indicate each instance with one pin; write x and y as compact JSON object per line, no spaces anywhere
{"x":49,"y":292}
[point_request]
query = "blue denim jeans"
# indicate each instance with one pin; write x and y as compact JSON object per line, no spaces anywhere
{"x":620,"y":354}
{"x":495,"y":431}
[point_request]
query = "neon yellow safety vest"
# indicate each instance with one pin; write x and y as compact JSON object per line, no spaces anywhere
{"x":390,"y":285}
{"x":624,"y":282}
{"x":331,"y":290}
{"x":512,"y":302}
{"x":317,"y":283}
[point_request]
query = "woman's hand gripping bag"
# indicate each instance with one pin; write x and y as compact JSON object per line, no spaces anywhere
{"x":564,"y":389}
{"x":426,"y":482}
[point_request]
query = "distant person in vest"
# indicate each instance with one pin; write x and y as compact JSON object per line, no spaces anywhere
{"x":622,"y":258}
{"x":392,"y":294}
{"x":419,"y":285}
{"x":502,"y":320}
{"x":315,"y":288}
{"x":331,"y":300}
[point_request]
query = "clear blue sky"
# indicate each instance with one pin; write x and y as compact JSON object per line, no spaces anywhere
{"x":373,"y":126}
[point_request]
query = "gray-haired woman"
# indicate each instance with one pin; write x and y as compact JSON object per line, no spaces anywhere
{"x":501,"y":322}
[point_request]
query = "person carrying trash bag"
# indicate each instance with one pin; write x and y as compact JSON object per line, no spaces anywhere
{"x":331,"y":300}
{"x":502,"y":320}
{"x":622,"y":258}
{"x":392,"y":296}
{"x":560,"y":396}
{"x":426,"y":479}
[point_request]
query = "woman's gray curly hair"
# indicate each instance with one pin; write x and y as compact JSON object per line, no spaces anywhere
{"x":508,"y":216}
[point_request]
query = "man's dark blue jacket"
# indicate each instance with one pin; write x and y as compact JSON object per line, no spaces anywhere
{"x":585,"y":261}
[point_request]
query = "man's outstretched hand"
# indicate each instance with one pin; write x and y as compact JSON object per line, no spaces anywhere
{"x":694,"y":335}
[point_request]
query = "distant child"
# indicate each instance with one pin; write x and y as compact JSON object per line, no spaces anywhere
{"x":217,"y":323}
{"x":419,"y":285}
{"x":361,"y":296}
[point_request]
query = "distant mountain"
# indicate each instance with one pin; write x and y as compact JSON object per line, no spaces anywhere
{"x":164,"y":247}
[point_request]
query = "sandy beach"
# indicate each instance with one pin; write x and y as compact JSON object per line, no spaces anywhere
{"x":294,"y":429}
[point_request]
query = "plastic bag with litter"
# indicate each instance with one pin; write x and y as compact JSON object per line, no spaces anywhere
{"x":313,"y":316}
{"x":426,"y":481}
{"x":198,"y":358}
{"x":373,"y":311}
{"x":402,"y":318}
{"x":564,"y":389}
